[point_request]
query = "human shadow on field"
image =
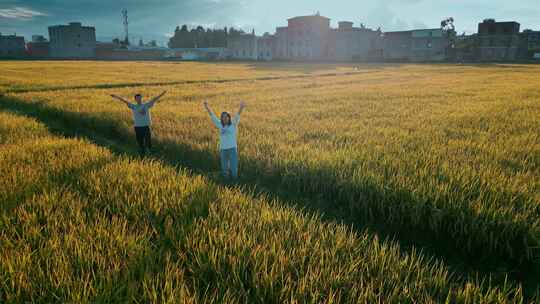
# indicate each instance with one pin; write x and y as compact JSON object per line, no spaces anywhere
{"x":391,"y":213}
{"x":168,"y":236}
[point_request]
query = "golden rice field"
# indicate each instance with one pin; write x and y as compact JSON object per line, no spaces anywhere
{"x":359,"y":183}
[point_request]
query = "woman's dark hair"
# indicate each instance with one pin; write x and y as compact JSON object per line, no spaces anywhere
{"x":228,"y":115}
{"x":138,"y":95}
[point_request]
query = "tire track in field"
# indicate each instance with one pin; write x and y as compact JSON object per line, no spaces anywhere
{"x":155,"y":84}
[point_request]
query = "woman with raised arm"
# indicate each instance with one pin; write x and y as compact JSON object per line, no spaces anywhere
{"x":141,"y":119}
{"x":228,"y":144}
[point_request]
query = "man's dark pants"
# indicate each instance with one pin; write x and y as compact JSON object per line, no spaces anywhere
{"x":144,"y":138}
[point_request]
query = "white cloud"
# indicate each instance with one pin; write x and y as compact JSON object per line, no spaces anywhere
{"x":19,"y":13}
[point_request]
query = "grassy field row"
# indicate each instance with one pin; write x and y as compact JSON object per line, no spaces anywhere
{"x":80,"y":224}
{"x":451,"y":158}
{"x":21,"y":75}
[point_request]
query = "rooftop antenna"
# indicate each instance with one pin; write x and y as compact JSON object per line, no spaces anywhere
{"x":126,"y":27}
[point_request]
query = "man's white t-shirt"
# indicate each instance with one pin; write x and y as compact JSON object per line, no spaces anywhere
{"x":141,"y":114}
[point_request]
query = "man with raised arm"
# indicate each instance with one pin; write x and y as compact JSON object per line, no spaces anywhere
{"x":142,"y":119}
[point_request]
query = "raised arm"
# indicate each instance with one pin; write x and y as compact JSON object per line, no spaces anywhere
{"x":213,"y":116}
{"x":121,"y":99}
{"x":236,"y":118}
{"x":157,"y":98}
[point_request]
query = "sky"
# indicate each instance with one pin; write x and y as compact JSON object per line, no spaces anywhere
{"x":157,"y":19}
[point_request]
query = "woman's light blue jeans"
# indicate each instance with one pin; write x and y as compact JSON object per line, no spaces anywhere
{"x":229,"y":163}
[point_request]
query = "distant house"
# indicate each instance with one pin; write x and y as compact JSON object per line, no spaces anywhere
{"x":38,"y":47}
{"x":530,"y":45}
{"x":423,"y":45}
{"x":12,"y":46}
{"x":308,"y":37}
{"x":266,"y":47}
{"x":311,"y":37}
{"x":72,"y":41}
{"x":429,"y":45}
{"x":498,"y":41}
{"x":466,"y":46}
{"x":281,"y":43}
{"x":397,"y":46}
{"x":349,"y":43}
{"x":243,"y":46}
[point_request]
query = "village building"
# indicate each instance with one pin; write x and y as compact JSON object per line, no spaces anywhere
{"x":72,"y":41}
{"x":12,"y":46}
{"x":281,"y":43}
{"x":308,"y":37}
{"x":243,"y":46}
{"x":423,"y":45}
{"x":349,"y":43}
{"x":397,"y":46}
{"x":530,"y":45}
{"x":266,"y":47}
{"x":498,"y":41}
{"x":38,"y":47}
{"x":429,"y":45}
{"x":465,"y":48}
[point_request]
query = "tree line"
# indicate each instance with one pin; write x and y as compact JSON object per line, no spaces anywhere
{"x":199,"y":37}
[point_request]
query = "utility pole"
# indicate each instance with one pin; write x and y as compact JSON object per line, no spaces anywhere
{"x":126,"y":26}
